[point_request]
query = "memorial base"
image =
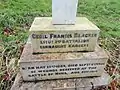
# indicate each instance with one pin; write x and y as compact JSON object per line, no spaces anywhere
{"x":47,"y":37}
{"x":61,"y":65}
{"x":93,"y":83}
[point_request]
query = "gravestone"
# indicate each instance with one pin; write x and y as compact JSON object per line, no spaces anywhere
{"x":55,"y":48}
{"x":62,"y":47}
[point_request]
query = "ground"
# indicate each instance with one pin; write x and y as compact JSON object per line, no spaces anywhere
{"x":16,"y":17}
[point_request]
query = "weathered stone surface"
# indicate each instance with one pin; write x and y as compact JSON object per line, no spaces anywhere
{"x":64,"y":11}
{"x":61,"y":65}
{"x":66,"y":84}
{"x":47,"y":37}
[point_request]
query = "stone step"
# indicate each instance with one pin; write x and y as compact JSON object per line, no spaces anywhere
{"x":47,"y":37}
{"x":61,"y":65}
{"x":91,"y":83}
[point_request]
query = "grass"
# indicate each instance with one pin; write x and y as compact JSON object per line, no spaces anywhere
{"x":105,"y":13}
{"x":16,"y":17}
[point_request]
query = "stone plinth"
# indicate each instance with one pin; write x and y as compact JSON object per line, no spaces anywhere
{"x":92,"y":83}
{"x":47,"y":37}
{"x":61,"y":65}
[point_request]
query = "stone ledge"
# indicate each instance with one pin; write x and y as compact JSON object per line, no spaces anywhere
{"x":45,"y":24}
{"x":66,"y":84}
{"x":99,"y":53}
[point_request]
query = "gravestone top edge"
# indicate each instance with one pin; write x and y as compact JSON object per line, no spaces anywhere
{"x":45,"y":24}
{"x":99,"y":53}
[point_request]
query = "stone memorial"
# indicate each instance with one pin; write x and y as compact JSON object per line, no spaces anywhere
{"x":54,"y":51}
{"x":62,"y":47}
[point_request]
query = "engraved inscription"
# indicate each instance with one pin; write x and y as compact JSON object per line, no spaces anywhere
{"x":63,"y":40}
{"x":63,"y":69}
